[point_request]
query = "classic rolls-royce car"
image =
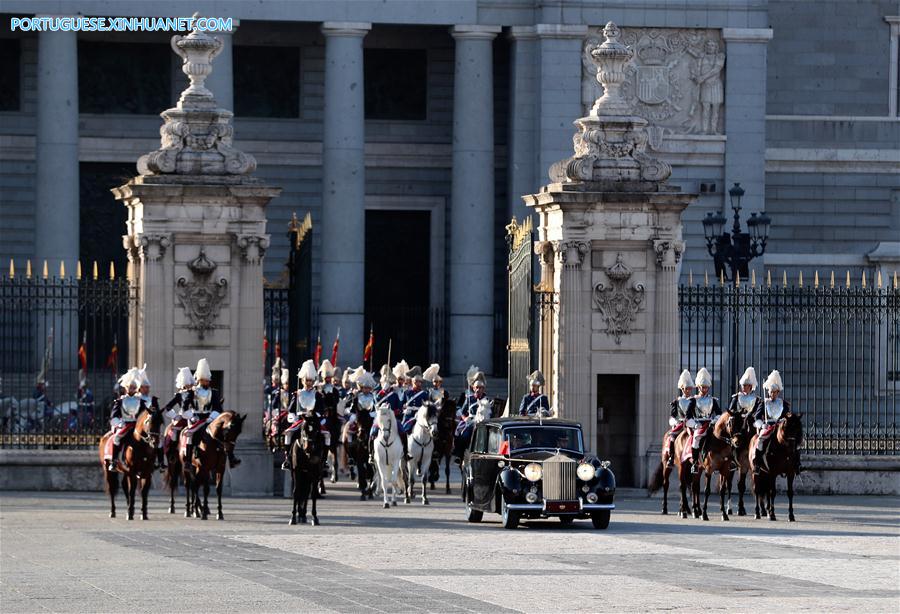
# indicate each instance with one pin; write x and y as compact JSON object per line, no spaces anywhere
{"x":529,"y":468}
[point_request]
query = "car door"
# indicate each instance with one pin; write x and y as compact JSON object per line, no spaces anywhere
{"x":478,"y":465}
{"x":486,"y":470}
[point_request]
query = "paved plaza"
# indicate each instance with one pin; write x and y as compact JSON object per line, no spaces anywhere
{"x":60,"y":553}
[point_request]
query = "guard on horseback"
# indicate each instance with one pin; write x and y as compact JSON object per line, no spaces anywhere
{"x":152,"y":403}
{"x":472,"y":400}
{"x":701,"y":415}
{"x":432,"y":374}
{"x":535,"y":403}
{"x":746,"y":402}
{"x":466,"y":394}
{"x":766,"y":419}
{"x":306,"y":404}
{"x":207,"y":407}
{"x":123,"y":416}
{"x":176,"y":410}
{"x":681,"y":406}
{"x":415,"y":398}
{"x":467,"y":414}
{"x":390,"y":392}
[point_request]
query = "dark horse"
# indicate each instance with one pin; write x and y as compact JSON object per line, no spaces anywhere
{"x":333,"y":424}
{"x":307,"y":455}
{"x":139,"y":454}
{"x":781,"y":458}
{"x":741,"y":444}
{"x":219,"y":438}
{"x":355,"y":437}
{"x":174,"y":466}
{"x":660,"y":477}
{"x":443,"y":443}
{"x":719,"y":457}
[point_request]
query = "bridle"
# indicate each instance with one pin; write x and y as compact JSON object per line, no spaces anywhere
{"x":148,"y":435}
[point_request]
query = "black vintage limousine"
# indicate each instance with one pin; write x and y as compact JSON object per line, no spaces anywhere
{"x":529,"y":468}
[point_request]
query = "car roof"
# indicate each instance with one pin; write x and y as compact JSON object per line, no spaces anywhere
{"x":526,"y":421}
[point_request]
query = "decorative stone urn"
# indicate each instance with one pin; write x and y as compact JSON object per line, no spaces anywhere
{"x":196,"y":238}
{"x":610,"y":243}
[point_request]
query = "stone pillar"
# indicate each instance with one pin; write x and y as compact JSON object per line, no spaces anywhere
{"x":666,"y":351}
{"x":523,"y":176}
{"x":196,"y":236}
{"x":472,"y":206}
{"x":573,"y":368}
{"x":221,"y":81}
{"x":745,"y":114}
{"x":56,"y":193}
{"x":343,"y":221}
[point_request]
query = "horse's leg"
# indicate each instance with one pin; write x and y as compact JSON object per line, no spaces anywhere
{"x":410,"y":482}
{"x":724,"y":482}
{"x":334,"y":467}
{"x":682,"y":485}
{"x":742,"y":487}
{"x":771,"y":497}
{"x":667,"y":471}
{"x":204,"y":513}
{"x":706,"y":494}
{"x":295,"y":496}
{"x":447,"y":472}
{"x":145,"y":492}
{"x":219,"y":476}
{"x":759,"y":494}
{"x":790,"y":494}
{"x":424,"y":485}
{"x":315,"y":496}
{"x":132,"y":491}
{"x":112,"y":484}
{"x":308,"y":485}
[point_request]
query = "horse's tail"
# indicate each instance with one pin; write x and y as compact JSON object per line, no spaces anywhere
{"x":656,"y":480}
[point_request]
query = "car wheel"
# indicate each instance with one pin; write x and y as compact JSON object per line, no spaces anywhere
{"x":510,"y":518}
{"x":472,"y":515}
{"x":566,"y":520}
{"x":600,"y":519}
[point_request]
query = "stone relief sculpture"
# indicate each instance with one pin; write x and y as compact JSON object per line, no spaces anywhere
{"x":201,"y":297}
{"x":619,"y":302}
{"x":675,"y":80}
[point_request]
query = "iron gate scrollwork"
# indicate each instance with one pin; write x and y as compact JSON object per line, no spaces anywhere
{"x":519,"y":238}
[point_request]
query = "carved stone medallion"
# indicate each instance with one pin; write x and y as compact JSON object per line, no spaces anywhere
{"x":620,"y":301}
{"x":201,"y":297}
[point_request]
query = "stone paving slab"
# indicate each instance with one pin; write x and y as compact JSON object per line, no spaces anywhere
{"x":60,"y":553}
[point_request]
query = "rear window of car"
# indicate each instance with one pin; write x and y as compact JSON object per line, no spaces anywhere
{"x":552,"y":437}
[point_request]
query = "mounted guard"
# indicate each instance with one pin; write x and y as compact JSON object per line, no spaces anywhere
{"x":123,"y":416}
{"x":704,"y":412}
{"x":306,"y":404}
{"x":681,"y":407}
{"x":766,"y":418}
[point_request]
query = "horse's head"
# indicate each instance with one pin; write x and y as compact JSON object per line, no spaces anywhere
{"x":384,"y":420}
{"x":790,"y":430}
{"x":427,"y":417}
{"x":227,"y":428}
{"x":311,"y":437}
{"x":734,"y":427}
{"x":148,"y":426}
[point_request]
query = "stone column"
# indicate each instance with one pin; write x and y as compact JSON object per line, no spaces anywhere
{"x":56,"y":195}
{"x":666,"y":353}
{"x":745,"y":113}
{"x":571,"y":397}
{"x":221,"y":81}
{"x":472,"y":206}
{"x":523,"y":176}
{"x":343,"y":220}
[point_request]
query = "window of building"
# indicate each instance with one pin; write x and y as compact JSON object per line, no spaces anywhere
{"x":396,"y":83}
{"x":10,"y":52}
{"x":266,"y":81}
{"x":132,"y":78}
{"x":894,"y":69}
{"x":101,"y":215}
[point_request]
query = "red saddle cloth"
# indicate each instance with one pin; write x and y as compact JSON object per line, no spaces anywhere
{"x":119,"y":431}
{"x":700,"y":430}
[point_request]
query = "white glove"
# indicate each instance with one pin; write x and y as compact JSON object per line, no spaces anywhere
{"x":692,"y":424}
{"x":115,"y":422}
{"x":292,"y":417}
{"x":170,"y":414}
{"x":672,"y":421}
{"x":759,"y":424}
{"x":287,"y":439}
{"x":189,"y":414}
{"x":327,"y":438}
{"x":352,"y":418}
{"x":213,"y":415}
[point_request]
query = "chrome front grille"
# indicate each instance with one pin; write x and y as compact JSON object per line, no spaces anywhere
{"x":559,"y":478}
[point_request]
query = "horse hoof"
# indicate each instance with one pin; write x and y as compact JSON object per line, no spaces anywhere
{"x":665,"y":512}
{"x":757,"y":516}
{"x":333,"y":480}
{"x":406,"y":501}
{"x":447,"y":491}
{"x":387,"y":506}
{"x":204,"y":517}
{"x":220,"y":516}
{"x":172,"y":509}
{"x":772,"y":517}
{"x":425,"y":502}
{"x":394,"y":503}
{"x":684,"y":514}
{"x":315,"y":521}
{"x":724,"y":517}
{"x":130,"y":516}
{"x":112,"y":514}
{"x":705,"y":517}
{"x":292,"y":521}
{"x":742,"y":512}
{"x":303,"y":520}
{"x":145,"y":517}
{"x":187,"y":514}
{"x":791,"y":518}
{"x":432,"y":487}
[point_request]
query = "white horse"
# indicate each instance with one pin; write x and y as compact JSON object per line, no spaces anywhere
{"x":388,"y":452}
{"x":421,"y":447}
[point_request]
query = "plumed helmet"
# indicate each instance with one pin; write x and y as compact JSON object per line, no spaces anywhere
{"x":326,"y":369}
{"x":132,"y":377}
{"x":366,"y":380}
{"x":432,"y":372}
{"x":202,"y":371}
{"x":703,"y":378}
{"x":307,"y":371}
{"x":347,"y":378}
{"x":749,"y":377}
{"x":387,"y":376}
{"x":278,"y":370}
{"x":773,"y":382}
{"x":145,"y":379}
{"x":536,"y":379}
{"x":337,"y":374}
{"x":401,"y":369}
{"x":415,"y":372}
{"x":478,"y":379}
{"x":473,"y":370}
{"x":285,"y":376}
{"x":685,"y":380}
{"x":184,"y":378}
{"x":355,"y":374}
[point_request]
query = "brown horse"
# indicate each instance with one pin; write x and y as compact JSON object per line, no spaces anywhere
{"x":742,"y":460}
{"x":780,"y":458}
{"x":139,"y":456}
{"x":443,"y":443}
{"x":218,"y":439}
{"x":174,"y":466}
{"x":663,"y":471}
{"x":718,"y":458}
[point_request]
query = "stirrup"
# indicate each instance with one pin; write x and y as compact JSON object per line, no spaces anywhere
{"x":234,"y":462}
{"x":285,"y":466}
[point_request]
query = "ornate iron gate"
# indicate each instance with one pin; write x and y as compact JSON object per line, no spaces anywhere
{"x":837,"y":348}
{"x":519,"y":238}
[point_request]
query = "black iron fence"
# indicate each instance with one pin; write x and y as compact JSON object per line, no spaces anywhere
{"x":837,"y":348}
{"x":63,"y":344}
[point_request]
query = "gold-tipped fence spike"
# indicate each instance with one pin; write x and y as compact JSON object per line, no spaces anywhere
{"x":737,"y":278}
{"x":832,"y":279}
{"x":895,"y":280}
{"x":28,"y":270}
{"x":753,"y":278}
{"x":12,"y":269}
{"x":864,"y":279}
{"x":816,"y":280}
{"x":706,"y":278}
{"x":879,"y":279}
{"x":769,"y":279}
{"x":784,"y":279}
{"x":96,"y":271}
{"x":722,"y":277}
{"x":45,"y":271}
{"x":691,"y":277}
{"x":112,"y":270}
{"x":62,"y":269}
{"x":800,"y":283}
{"x":78,"y":269}
{"x":848,"y":278}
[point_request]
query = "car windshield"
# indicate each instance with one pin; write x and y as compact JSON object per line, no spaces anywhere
{"x":565,"y":438}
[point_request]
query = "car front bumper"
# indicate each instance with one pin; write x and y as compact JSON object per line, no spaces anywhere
{"x":541,"y":509}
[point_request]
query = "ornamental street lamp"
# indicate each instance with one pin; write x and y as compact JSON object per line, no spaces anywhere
{"x":735,"y":249}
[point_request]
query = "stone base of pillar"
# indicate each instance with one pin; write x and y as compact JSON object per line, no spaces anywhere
{"x":253,"y":478}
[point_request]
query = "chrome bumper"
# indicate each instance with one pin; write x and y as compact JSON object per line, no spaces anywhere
{"x":539,"y":507}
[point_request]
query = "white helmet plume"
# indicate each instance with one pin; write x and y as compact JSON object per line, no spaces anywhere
{"x":773,"y":382}
{"x":749,"y":377}
{"x":202,"y":371}
{"x":703,"y":378}
{"x":685,"y":380}
{"x":326,"y":369}
{"x":184,"y":378}
{"x":307,"y":371}
{"x":432,"y":372}
{"x":145,"y":379}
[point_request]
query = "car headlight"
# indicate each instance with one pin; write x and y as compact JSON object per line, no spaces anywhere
{"x":531,"y":497}
{"x":533,"y":472}
{"x":585,"y":472}
{"x":591,"y":497}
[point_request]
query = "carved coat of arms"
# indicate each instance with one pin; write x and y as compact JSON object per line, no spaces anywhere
{"x":620,"y":301}
{"x":201,"y":297}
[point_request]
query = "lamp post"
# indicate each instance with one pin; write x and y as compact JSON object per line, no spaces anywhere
{"x":735,"y":249}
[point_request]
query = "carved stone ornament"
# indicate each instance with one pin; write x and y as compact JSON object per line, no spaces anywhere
{"x":668,"y":252}
{"x":196,"y":138}
{"x":675,"y":80}
{"x":611,"y":142}
{"x":153,"y":247}
{"x":202,"y":297}
{"x":253,"y":247}
{"x":620,"y":302}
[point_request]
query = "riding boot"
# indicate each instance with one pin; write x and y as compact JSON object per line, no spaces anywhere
{"x":111,"y":463}
{"x":757,"y":461}
{"x":695,"y":460}
{"x":671,"y":460}
{"x":286,"y":465}
{"x":233,"y":460}
{"x":160,"y":459}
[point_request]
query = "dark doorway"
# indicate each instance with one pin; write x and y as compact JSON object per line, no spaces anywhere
{"x":617,"y":424}
{"x":398,"y":265}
